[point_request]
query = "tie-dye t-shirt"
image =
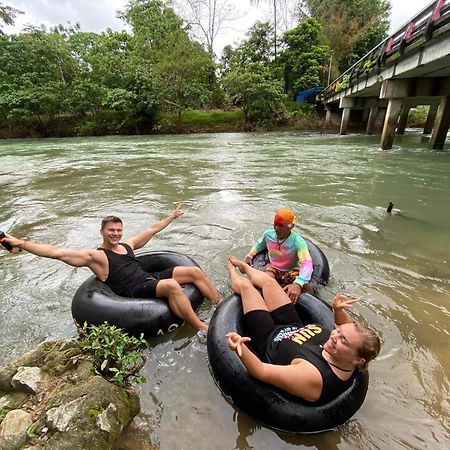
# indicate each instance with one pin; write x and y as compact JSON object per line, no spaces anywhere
{"x":289,"y":254}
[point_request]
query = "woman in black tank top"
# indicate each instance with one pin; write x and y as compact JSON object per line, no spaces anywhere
{"x":308,"y":362}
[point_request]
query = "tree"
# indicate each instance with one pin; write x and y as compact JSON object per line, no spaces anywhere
{"x":104,"y":72}
{"x":7,"y":15}
{"x":304,"y":57}
{"x":257,"y":48}
{"x":260,"y":97}
{"x":182,"y":72}
{"x":206,"y":18}
{"x":175,"y":73}
{"x":352,"y":27}
{"x":225,"y":60}
{"x":274,"y":3}
{"x":152,"y":21}
{"x":36,"y":70}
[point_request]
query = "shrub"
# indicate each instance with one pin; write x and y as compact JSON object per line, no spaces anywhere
{"x":117,"y":356}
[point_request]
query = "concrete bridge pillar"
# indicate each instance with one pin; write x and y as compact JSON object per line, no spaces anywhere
{"x":370,"y":129}
{"x":428,"y":128}
{"x":346,"y":104}
{"x":403,"y":119}
{"x":345,"y":118}
{"x":327,"y":116}
{"x":365,"y":116}
{"x":394,"y":91}
{"x":441,"y":126}
{"x":390,"y":123}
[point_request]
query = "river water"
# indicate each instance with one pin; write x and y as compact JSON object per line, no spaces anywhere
{"x":57,"y":190}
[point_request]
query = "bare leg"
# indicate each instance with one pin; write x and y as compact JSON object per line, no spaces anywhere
{"x":178,"y":302}
{"x":196,"y":276}
{"x":273,"y":294}
{"x":251,"y":298}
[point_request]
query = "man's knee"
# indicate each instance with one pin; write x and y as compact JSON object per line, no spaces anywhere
{"x":197,"y":273}
{"x":168,"y":287}
{"x":191,"y":274}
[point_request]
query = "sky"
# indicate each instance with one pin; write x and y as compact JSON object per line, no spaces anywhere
{"x":98,"y":15}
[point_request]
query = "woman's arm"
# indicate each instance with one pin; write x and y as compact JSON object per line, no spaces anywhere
{"x":301,"y":378}
{"x":341,"y":304}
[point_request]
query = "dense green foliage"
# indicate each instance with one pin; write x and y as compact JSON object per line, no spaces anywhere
{"x":304,"y":57}
{"x":67,"y":82}
{"x":112,"y":82}
{"x":117,"y":356}
{"x":351,"y":27}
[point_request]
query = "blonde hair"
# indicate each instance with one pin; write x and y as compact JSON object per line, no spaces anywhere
{"x":370,"y":346}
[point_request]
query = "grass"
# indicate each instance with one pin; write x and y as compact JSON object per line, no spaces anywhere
{"x":202,"y":120}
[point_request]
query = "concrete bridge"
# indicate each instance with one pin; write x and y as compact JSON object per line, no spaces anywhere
{"x":409,"y":68}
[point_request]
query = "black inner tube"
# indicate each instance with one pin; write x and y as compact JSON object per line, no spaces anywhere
{"x":94,"y":302}
{"x":266,"y":404}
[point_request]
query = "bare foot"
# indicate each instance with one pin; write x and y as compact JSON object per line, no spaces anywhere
{"x":237,"y":263}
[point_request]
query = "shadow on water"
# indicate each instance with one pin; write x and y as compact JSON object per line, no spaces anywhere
{"x":247,"y":427}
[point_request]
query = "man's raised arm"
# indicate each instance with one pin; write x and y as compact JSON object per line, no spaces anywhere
{"x":142,"y":238}
{"x":76,"y":258}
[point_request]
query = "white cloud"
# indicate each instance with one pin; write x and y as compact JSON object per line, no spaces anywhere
{"x":93,"y":15}
{"x":404,"y":10}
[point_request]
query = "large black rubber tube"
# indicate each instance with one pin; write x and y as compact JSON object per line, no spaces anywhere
{"x":94,"y":302}
{"x":262,"y":402}
{"x":321,"y":271}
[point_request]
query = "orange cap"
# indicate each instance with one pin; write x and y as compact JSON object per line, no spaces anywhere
{"x":284,"y":217}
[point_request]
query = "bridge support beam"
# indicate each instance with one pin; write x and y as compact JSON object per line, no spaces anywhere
{"x":328,"y":116}
{"x":428,"y":128}
{"x":344,"y":121}
{"x":390,"y":123}
{"x":370,"y":129}
{"x":394,"y":91}
{"x":346,"y":104}
{"x":403,"y":119}
{"x":441,"y":126}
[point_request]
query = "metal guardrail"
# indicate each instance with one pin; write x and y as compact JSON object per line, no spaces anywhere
{"x":424,"y":26}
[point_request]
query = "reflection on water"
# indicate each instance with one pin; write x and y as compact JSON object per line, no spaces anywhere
{"x":397,"y":264}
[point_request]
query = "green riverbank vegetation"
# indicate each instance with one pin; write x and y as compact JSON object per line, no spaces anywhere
{"x":162,"y":76}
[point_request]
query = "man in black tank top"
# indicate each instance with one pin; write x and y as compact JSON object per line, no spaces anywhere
{"x":115,"y":264}
{"x":306,"y":361}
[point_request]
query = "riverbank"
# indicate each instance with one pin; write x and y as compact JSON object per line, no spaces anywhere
{"x":303,"y":117}
{"x":50,"y":397}
{"x":108,"y":123}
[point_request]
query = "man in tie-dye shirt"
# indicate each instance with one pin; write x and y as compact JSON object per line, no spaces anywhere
{"x":290,"y":261}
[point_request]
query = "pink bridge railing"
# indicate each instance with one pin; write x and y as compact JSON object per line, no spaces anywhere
{"x":423,"y":27}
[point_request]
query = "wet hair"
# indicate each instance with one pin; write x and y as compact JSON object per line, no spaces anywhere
{"x":370,"y":346}
{"x":113,"y":219}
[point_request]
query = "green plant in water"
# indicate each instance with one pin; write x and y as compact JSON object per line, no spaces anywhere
{"x":117,"y":356}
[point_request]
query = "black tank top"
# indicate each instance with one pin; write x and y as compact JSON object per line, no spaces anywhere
{"x":289,"y":342}
{"x":125,"y":271}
